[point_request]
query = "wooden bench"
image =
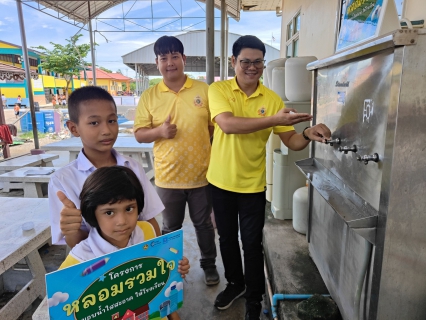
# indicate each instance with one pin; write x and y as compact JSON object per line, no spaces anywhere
{"x":10,"y":164}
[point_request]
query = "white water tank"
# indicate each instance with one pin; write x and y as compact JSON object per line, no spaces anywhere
{"x":273,"y":143}
{"x":270,"y":66}
{"x":280,"y":205}
{"x":286,"y":176}
{"x":300,"y":210}
{"x":298,"y":80}
{"x":278,"y":82}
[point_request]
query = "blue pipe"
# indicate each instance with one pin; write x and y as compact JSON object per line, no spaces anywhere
{"x":279,"y":296}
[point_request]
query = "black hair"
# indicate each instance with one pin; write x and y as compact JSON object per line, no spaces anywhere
{"x":84,"y":94}
{"x":167,"y":44}
{"x":250,"y":42}
{"x":109,"y":185}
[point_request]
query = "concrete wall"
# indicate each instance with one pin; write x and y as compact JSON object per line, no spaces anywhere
{"x":317,"y":26}
{"x":415,"y":9}
{"x":318,"y":22}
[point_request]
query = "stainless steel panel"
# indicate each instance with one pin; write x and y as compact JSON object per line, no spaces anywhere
{"x":377,"y":102}
{"x":338,"y":253}
{"x":356,"y":213}
{"x":403,"y":280}
{"x":400,"y":37}
{"x":353,"y":102}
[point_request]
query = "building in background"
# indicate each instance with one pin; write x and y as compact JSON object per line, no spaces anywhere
{"x":114,"y":83}
{"x":44,"y":86}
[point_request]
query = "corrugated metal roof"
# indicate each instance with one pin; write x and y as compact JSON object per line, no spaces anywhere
{"x":233,"y":7}
{"x":8,"y":72}
{"x":79,"y":10}
{"x":195,"y":52}
{"x":261,"y":5}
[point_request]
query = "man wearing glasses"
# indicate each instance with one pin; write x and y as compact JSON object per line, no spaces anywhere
{"x":244,"y":113}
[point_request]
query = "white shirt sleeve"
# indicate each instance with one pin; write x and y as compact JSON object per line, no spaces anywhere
{"x":55,"y":207}
{"x":153,"y":205}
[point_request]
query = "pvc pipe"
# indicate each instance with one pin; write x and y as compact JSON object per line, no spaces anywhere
{"x":277,"y":297}
{"x":408,"y":22}
{"x":268,"y":283}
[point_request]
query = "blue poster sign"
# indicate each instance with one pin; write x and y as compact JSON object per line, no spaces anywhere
{"x":139,"y":282}
{"x":360,"y":21}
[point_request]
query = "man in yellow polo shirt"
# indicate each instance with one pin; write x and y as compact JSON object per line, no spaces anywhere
{"x":175,"y":115}
{"x":245,"y":112}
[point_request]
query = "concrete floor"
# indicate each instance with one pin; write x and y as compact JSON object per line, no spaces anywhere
{"x":286,"y":252}
{"x":198,"y":298}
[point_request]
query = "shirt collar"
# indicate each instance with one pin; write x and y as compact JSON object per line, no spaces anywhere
{"x":163,"y":88}
{"x":260,"y":90}
{"x":84,"y":164}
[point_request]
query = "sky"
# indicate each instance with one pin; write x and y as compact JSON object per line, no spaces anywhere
{"x":41,"y":29}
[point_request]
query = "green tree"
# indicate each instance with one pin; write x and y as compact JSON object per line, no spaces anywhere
{"x":119,"y":71}
{"x":153,"y":82}
{"x":66,"y":60}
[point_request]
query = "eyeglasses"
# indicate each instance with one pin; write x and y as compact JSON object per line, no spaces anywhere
{"x":258,"y":64}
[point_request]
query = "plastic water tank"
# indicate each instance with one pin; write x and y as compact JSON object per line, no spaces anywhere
{"x":270,"y":66}
{"x":300,"y":210}
{"x":298,"y":80}
{"x":281,"y":197}
{"x":278,"y":82}
{"x":273,"y":143}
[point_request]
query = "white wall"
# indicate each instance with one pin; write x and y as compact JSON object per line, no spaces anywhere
{"x":318,"y":22}
{"x":317,"y":26}
{"x":415,"y":9}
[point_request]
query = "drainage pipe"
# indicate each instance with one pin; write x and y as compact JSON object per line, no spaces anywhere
{"x":268,"y":285}
{"x":278,"y":296}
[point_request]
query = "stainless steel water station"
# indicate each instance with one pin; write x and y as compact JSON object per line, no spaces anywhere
{"x":367,"y":210}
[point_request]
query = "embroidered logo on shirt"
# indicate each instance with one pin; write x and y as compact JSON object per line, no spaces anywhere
{"x":198,"y":102}
{"x":232,"y":99}
{"x":261,"y":112}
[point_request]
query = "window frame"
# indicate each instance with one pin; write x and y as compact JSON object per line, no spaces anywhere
{"x":292,"y":34}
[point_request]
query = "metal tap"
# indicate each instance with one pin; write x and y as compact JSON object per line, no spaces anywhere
{"x":331,"y":142}
{"x":366,"y":158}
{"x":346,"y":149}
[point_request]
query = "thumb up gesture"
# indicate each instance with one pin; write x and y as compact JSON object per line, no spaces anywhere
{"x":168,"y":130}
{"x":71,"y":219}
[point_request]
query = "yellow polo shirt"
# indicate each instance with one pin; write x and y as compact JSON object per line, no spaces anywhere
{"x":181,"y":162}
{"x":238,"y":161}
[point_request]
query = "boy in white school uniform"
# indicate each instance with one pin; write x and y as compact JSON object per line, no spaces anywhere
{"x":93,"y":118}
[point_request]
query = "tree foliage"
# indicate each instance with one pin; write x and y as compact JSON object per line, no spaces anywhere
{"x":66,"y":60}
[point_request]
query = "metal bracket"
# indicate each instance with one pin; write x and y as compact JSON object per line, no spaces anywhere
{"x":405,"y":37}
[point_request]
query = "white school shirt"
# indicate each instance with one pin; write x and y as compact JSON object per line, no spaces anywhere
{"x":96,"y":246}
{"x":70,"y":180}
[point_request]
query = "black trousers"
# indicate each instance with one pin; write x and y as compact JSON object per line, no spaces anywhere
{"x":249,"y":209}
